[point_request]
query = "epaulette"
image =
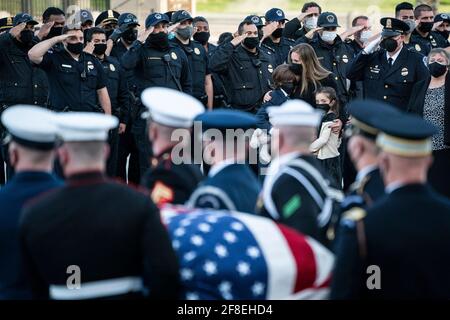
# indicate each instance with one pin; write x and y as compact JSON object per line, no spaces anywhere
{"x":355,"y":214}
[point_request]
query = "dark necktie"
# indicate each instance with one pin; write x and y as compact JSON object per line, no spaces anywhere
{"x":390,"y":62}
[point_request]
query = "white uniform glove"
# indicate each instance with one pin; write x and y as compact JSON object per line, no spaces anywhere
{"x":372,"y":46}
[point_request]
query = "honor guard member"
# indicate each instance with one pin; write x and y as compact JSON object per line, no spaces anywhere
{"x":411,"y":220}
{"x":230,"y":184}
{"x":6,"y":24}
{"x":117,"y":90}
{"x":172,"y":176}
{"x":405,"y":11}
{"x":202,"y":86}
{"x":34,"y":135}
{"x":389,"y":73}
{"x":333,"y":53}
{"x":246,"y":70}
{"x":368,"y":186}
{"x":296,"y":192}
{"x":275,"y":44}
{"x":76,"y":78}
{"x":443,"y":28}
{"x":304,"y":23}
{"x":106,"y":233}
{"x":423,"y":34}
{"x":107,"y":20}
{"x":155,"y":63}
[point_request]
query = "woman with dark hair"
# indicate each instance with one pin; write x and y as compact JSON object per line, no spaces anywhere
{"x":431,"y":100}
{"x":285,"y":81}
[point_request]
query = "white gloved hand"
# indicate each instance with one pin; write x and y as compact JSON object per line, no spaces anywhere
{"x":372,"y":46}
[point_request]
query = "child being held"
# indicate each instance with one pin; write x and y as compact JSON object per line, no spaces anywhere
{"x":327,"y":144}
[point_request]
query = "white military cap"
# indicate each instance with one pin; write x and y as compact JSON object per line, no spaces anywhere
{"x":170,"y":107}
{"x":294,"y":113}
{"x":85,"y":126}
{"x":31,"y":126}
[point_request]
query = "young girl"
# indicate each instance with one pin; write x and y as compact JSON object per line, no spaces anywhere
{"x":327,"y":144}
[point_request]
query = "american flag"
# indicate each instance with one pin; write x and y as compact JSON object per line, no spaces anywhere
{"x":235,"y":256}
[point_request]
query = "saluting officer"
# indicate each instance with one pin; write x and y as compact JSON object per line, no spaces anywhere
{"x":202,"y":86}
{"x":117,"y":90}
{"x":368,"y":186}
{"x":275,"y":44}
{"x":107,"y":20}
{"x":32,"y":153}
{"x":333,"y":53}
{"x":126,"y":31}
{"x":296,"y":191}
{"x":107,"y":233}
{"x":76,"y":78}
{"x":405,"y":235}
{"x":230,"y":184}
{"x":389,"y":73}
{"x":246,"y":70}
{"x":172,"y":176}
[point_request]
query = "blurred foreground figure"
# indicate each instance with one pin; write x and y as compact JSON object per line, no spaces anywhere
{"x":237,"y":256}
{"x":400,"y":247}
{"x":33,"y":140}
{"x":96,"y":236}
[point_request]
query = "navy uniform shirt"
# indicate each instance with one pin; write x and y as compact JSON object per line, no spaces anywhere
{"x":392,"y":85}
{"x":20,"y":81}
{"x":73,"y":84}
{"x":278,"y":51}
{"x":198,"y":63}
{"x":407,"y":235}
{"x":432,"y":41}
{"x":117,"y":88}
{"x":227,"y":187}
{"x":21,"y":188}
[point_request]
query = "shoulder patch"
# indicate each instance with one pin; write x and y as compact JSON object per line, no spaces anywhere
{"x":355,"y":214}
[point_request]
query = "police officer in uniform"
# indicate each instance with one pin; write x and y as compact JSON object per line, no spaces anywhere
{"x":246,"y":70}
{"x":117,"y":89}
{"x":20,"y":81}
{"x":202,"y":86}
{"x":127,"y":33}
{"x":107,"y":20}
{"x":296,"y":192}
{"x":86,"y":19}
{"x":389,"y":73}
{"x":230,"y":184}
{"x":333,"y":53}
{"x":6,"y":24}
{"x":76,"y":78}
{"x":32,"y":154}
{"x":444,"y":28}
{"x":258,"y":22}
{"x":423,"y":34}
{"x":155,"y":63}
{"x":106,"y":234}
{"x":405,"y":235}
{"x":170,"y":180}
{"x":304,"y":23}
{"x":405,"y":11}
{"x":275,"y":44}
{"x":368,"y":186}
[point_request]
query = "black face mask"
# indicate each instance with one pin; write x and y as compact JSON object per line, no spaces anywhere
{"x":159,"y":41}
{"x":437,"y":69}
{"x":288,"y":88}
{"x":100,"y":48}
{"x":202,"y":37}
{"x":296,"y":68}
{"x":277,"y":33}
{"x":75,"y":48}
{"x":130,"y":35}
{"x":323,"y":106}
{"x":426,"y":27}
{"x":389,"y":44}
{"x":54,"y":32}
{"x":444,"y":34}
{"x":26,"y":37}
{"x":251,"y":43}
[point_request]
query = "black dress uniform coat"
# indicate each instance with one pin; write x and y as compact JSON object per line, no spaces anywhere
{"x":335,"y":58}
{"x":278,"y":51}
{"x":108,"y":230}
{"x":169,"y":182}
{"x":246,"y":76}
{"x":299,"y":196}
{"x":389,"y":84}
{"x":20,"y":81}
{"x":407,"y":235}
